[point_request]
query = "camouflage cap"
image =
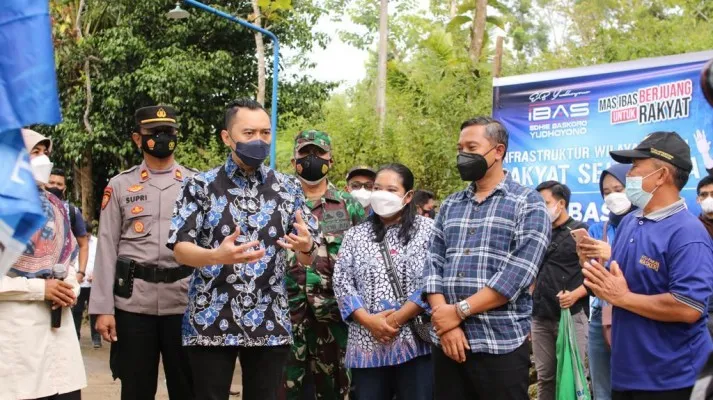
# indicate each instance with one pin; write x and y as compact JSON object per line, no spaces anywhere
{"x":314,"y":138}
{"x":361,"y":170}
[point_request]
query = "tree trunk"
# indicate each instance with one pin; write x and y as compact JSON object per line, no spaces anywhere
{"x":498,"y":62}
{"x":85,"y":175}
{"x":260,"y":46}
{"x":76,"y":185}
{"x":85,"y":170}
{"x":381,"y":70}
{"x":453,"y":8}
{"x":478,"y":30}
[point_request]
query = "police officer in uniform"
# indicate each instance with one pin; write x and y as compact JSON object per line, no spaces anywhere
{"x":139,"y":292}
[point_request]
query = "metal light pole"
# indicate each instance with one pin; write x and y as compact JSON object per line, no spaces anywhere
{"x":179,"y":13}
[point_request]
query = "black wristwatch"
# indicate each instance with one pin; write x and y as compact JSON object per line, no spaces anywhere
{"x":311,"y":249}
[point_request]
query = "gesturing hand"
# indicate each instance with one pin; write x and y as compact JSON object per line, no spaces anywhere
{"x":302,"y":241}
{"x":454,"y":343}
{"x":59,"y":292}
{"x":230,"y":253}
{"x":608,"y":286}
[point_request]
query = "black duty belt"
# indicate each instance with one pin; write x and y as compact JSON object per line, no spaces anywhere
{"x":155,"y":274}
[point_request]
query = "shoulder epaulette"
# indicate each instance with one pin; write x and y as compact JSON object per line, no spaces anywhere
{"x":128,"y":170}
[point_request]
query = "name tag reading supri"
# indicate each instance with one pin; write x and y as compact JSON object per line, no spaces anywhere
{"x":135,"y":198}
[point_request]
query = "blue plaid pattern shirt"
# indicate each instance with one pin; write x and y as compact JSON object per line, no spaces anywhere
{"x":498,"y":243}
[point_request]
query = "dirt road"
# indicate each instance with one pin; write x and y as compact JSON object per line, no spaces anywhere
{"x":100,"y":385}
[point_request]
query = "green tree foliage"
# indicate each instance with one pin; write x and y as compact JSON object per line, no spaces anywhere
{"x":433,"y":87}
{"x":139,"y":57}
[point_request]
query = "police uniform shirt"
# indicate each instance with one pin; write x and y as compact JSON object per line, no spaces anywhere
{"x":667,"y":251}
{"x":136,"y":215}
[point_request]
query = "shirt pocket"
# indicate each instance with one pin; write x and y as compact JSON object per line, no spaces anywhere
{"x":326,"y":256}
{"x":138,"y":222}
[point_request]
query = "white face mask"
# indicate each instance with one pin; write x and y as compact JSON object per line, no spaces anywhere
{"x":617,"y":202}
{"x":707,"y":205}
{"x":554,"y":213}
{"x":363,"y":196}
{"x":41,"y":168}
{"x":386,"y":204}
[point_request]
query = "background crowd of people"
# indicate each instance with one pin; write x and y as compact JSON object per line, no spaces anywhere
{"x":366,"y":292}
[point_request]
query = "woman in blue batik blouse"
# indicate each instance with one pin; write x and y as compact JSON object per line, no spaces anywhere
{"x":385,"y":355}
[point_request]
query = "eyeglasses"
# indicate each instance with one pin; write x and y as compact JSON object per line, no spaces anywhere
{"x":360,"y":185}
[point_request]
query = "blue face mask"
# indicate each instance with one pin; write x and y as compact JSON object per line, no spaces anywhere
{"x":635,"y":190}
{"x":252,"y":153}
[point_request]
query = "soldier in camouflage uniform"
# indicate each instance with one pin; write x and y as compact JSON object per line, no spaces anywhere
{"x":320,"y":335}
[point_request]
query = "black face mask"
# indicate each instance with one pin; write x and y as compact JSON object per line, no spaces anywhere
{"x":57,"y":192}
{"x":473,"y":167}
{"x":431,"y":214}
{"x":312,"y":168}
{"x":160,"y":144}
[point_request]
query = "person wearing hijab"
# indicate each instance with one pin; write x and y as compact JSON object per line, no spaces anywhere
{"x":39,"y":361}
{"x":598,"y":246}
{"x":704,"y":192}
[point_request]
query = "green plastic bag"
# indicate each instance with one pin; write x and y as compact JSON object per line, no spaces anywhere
{"x":571,"y":380}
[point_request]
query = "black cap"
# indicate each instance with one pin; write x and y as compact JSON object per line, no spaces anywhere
{"x":665,"y":146}
{"x":154,"y":116}
{"x":361,"y":171}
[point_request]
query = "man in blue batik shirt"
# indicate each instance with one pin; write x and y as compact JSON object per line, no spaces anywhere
{"x":659,"y":280}
{"x":232,"y":223}
{"x":488,"y":243}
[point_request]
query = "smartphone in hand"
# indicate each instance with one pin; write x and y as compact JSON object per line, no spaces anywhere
{"x":579,"y":234}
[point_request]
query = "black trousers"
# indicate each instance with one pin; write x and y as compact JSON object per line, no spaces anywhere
{"x":680,"y":394}
{"x":142,"y":340}
{"x":482,"y":376}
{"x":78,"y":314}
{"x":76,"y":395}
{"x":213,"y":368}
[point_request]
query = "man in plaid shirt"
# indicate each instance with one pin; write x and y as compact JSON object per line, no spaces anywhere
{"x":489,"y":241}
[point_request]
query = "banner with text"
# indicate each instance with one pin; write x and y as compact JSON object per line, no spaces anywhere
{"x":563,"y":124}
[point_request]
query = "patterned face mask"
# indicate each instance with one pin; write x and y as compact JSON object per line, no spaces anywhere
{"x":312,"y":169}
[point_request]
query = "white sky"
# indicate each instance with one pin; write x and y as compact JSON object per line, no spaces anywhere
{"x":339,"y":61}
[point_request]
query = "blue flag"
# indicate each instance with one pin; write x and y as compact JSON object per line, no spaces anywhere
{"x":20,"y":208}
{"x":28,"y":84}
{"x":28,"y":95}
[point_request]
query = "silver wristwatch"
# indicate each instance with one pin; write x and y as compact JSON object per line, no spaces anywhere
{"x":463,"y":309}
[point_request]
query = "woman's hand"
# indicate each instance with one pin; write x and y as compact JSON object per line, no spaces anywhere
{"x":380,"y":327}
{"x":59,"y":292}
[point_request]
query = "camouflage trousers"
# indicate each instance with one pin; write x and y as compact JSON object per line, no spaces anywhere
{"x":318,"y":349}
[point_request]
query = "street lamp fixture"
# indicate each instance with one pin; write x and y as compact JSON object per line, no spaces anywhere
{"x":179,"y":13}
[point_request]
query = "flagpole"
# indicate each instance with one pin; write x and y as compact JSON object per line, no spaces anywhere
{"x":275,"y":65}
